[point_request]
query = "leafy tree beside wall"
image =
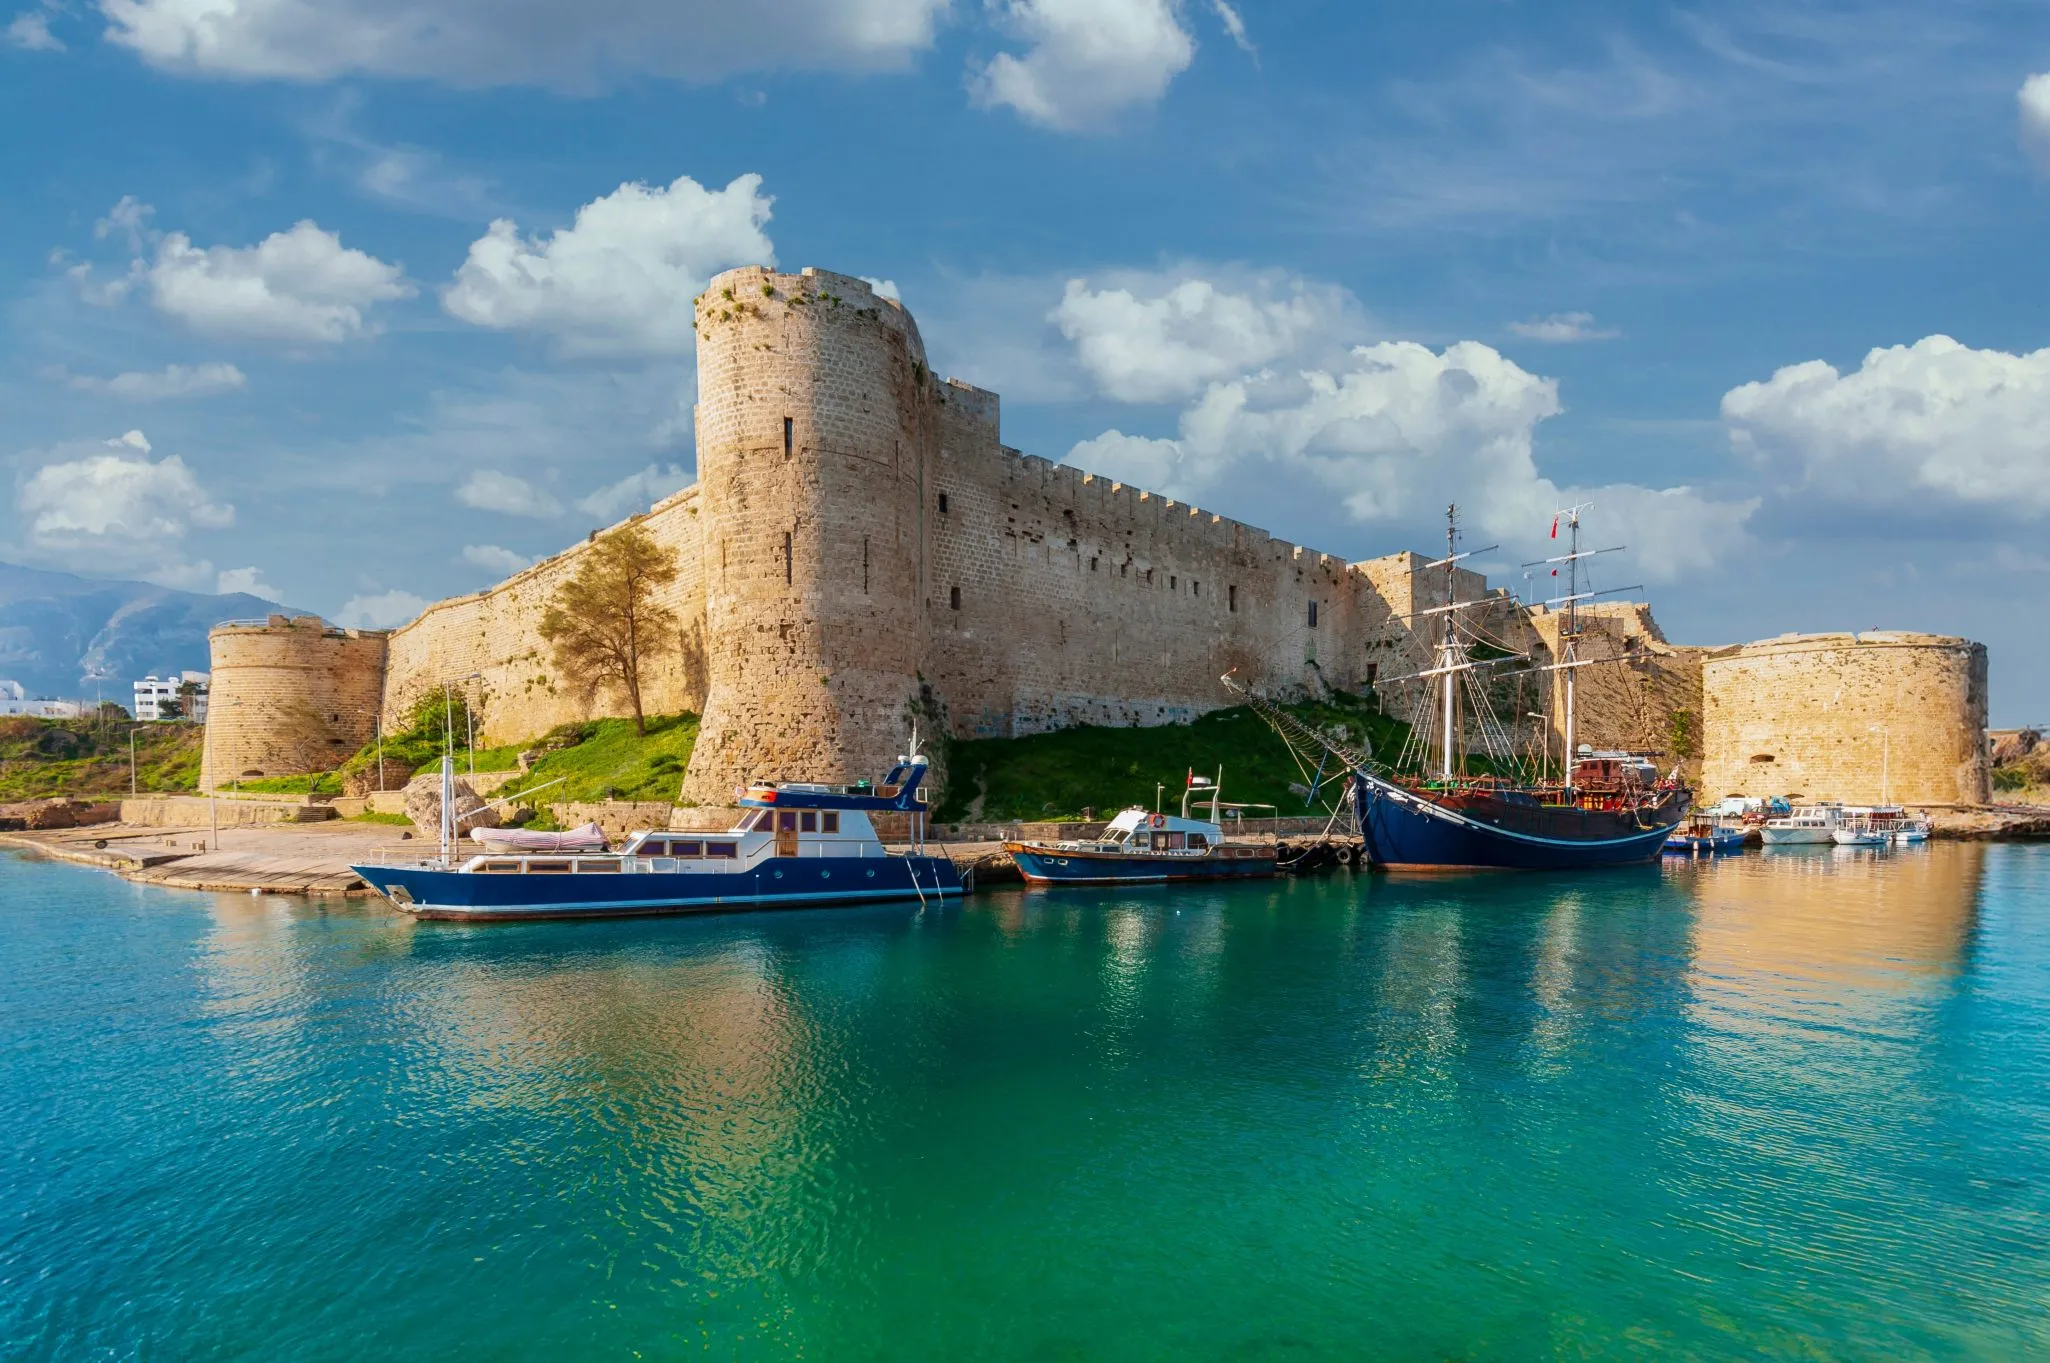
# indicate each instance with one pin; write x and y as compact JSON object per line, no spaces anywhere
{"x":604,"y":624}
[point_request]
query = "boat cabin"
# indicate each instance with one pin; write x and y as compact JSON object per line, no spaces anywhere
{"x":1137,"y":830}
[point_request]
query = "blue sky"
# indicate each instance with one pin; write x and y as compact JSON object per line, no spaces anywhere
{"x":360,"y":302}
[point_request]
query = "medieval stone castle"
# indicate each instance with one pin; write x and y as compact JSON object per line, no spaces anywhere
{"x":861,"y":552}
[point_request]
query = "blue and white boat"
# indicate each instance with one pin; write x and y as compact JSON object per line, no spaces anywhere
{"x":1142,"y":847}
{"x":1705,"y":833}
{"x":798,"y":845}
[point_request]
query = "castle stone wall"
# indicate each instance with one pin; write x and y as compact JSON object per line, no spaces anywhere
{"x":520,"y":694}
{"x":1862,"y":718}
{"x":290,"y":695}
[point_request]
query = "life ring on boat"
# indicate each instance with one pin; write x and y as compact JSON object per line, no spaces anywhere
{"x":1158,"y":821}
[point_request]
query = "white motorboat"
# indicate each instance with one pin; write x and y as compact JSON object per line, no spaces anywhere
{"x":1911,"y":831}
{"x":1807,"y":824}
{"x":1860,"y":835}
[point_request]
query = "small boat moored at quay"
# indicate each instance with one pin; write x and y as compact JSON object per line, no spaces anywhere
{"x":1706,"y":834}
{"x":1143,"y":847}
{"x":797,"y":845}
{"x":1806,"y":824}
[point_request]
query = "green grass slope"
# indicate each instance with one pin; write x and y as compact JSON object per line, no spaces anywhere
{"x":45,"y":757}
{"x":606,"y":760}
{"x":1058,"y":775}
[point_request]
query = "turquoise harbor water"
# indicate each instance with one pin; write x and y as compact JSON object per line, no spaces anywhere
{"x":1788,"y":1106}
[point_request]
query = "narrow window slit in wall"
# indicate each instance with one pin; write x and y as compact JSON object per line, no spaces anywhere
{"x":789,"y":569}
{"x":789,"y":436}
{"x":943,"y":503}
{"x":1172,"y":583}
{"x":1092,"y":565}
{"x":1195,"y":587}
{"x":1231,"y":598}
{"x":1313,"y":615}
{"x":864,"y":563}
{"x":954,"y":597}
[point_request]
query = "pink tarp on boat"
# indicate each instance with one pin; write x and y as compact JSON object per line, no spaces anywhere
{"x":589,"y":838}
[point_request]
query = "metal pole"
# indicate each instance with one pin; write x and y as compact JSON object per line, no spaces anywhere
{"x":131,"y":761}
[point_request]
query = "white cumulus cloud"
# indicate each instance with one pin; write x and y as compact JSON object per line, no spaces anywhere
{"x":491,"y":558}
{"x":1084,"y":60}
{"x":300,"y":285}
{"x":622,"y":277}
{"x":249,"y":580}
{"x":1396,"y":432}
{"x":381,"y":610}
{"x":30,"y":31}
{"x":1161,"y":338}
{"x":521,"y":42}
{"x":1931,"y":426}
{"x":107,"y":507}
{"x":492,"y":490}
{"x":634,"y":493}
{"x":172,"y":381}
{"x":2035,"y":120}
{"x":1563,"y":328}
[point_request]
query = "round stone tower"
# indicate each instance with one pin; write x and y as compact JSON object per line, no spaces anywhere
{"x":289,"y":695}
{"x":813,"y":443}
{"x":1863,"y":718}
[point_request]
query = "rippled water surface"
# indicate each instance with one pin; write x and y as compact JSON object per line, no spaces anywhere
{"x":1784,"y":1105}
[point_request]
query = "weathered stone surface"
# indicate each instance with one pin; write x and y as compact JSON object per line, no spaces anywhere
{"x":2015,"y":746}
{"x":396,"y":776}
{"x":423,"y":806}
{"x":1860,"y":718}
{"x":617,"y":817}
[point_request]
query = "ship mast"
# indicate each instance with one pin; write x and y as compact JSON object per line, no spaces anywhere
{"x":1568,"y":640}
{"x":1448,"y":656}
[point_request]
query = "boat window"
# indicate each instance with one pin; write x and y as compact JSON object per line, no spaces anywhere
{"x":500,"y":867}
{"x":1171,"y":841}
{"x":1139,"y":840}
{"x":548,"y":866}
{"x":829,"y":822}
{"x":787,"y":821}
{"x":810,"y":822}
{"x":687,"y":849}
{"x":721,"y":849}
{"x":1198,"y":841}
{"x":654,"y":847}
{"x":588,"y":867}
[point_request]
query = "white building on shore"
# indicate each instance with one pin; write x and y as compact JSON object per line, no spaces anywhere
{"x":186,"y":690}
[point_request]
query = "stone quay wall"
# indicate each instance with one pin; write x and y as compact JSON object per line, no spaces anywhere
{"x":289,"y":695}
{"x":1862,"y":718}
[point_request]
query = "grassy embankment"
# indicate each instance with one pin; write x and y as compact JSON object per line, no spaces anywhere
{"x":1058,"y":775}
{"x":86,"y":757}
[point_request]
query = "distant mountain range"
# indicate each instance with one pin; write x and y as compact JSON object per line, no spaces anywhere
{"x":59,"y":630}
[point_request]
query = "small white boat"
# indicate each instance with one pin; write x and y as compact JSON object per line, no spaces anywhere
{"x":1860,"y":835}
{"x":1807,"y":824}
{"x":1911,"y":831}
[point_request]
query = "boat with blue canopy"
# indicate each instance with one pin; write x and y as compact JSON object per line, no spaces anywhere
{"x":796,"y":845}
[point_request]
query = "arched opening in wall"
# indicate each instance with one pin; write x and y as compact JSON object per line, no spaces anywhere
{"x":954,"y":597}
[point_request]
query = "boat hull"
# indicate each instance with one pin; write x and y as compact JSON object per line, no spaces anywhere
{"x":1405,"y":831}
{"x":1794,"y":837}
{"x":1041,"y":865}
{"x":1725,"y":842}
{"x":778,"y":883}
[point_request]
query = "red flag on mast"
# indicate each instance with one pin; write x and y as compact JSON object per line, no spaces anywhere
{"x":1555,"y":527}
